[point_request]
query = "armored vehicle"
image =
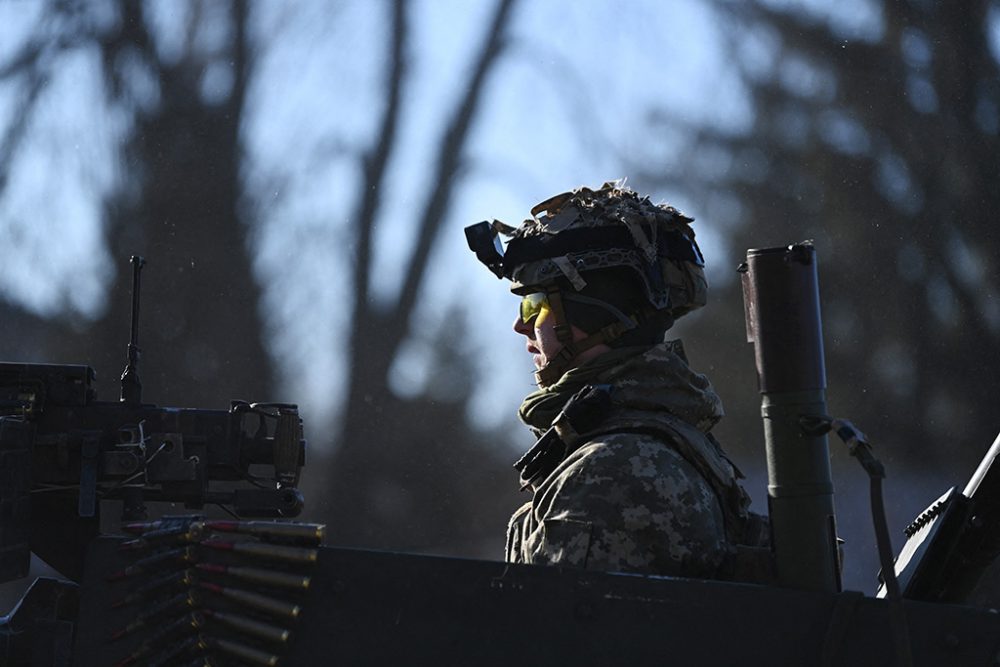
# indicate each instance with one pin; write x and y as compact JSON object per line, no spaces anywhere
{"x":259,"y":589}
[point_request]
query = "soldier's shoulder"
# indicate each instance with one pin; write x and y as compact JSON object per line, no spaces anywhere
{"x":613,"y":449}
{"x":619,"y":471}
{"x":628,"y":459}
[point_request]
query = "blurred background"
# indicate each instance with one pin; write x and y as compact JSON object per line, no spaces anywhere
{"x":298,"y":174}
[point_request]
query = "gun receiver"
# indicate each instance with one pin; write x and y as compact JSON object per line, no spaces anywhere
{"x":62,"y":451}
{"x":953,"y":543}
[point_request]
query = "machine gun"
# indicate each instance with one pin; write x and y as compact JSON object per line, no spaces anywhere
{"x":953,"y":545}
{"x":62,"y":451}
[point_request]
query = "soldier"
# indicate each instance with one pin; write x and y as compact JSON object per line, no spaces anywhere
{"x":638,"y":483}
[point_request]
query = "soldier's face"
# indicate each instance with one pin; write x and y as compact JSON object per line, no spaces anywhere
{"x":536,"y":323}
{"x":542,"y":343}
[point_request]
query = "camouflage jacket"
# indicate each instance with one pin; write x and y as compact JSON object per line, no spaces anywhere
{"x":647,"y":491}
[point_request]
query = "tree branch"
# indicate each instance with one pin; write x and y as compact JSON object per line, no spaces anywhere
{"x":374,"y":165}
{"x":29,"y":62}
{"x":18,"y":128}
{"x":242,"y":51}
{"x":132,"y":33}
{"x":448,"y":163}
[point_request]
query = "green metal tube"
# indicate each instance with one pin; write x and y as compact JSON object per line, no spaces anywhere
{"x":781,"y":296}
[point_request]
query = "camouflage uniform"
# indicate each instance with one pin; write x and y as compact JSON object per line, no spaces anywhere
{"x":647,"y":491}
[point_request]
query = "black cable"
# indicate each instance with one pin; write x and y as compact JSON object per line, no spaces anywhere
{"x":857,"y":444}
{"x":897,"y":615}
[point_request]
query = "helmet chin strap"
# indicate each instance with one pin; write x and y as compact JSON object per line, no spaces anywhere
{"x":550,"y":373}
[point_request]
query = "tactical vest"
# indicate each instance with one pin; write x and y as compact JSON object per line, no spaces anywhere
{"x":747,"y":533}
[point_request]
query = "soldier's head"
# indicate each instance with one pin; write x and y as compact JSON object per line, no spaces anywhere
{"x":596,"y":269}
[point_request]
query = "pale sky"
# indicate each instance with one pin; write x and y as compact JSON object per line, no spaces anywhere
{"x":569,"y":101}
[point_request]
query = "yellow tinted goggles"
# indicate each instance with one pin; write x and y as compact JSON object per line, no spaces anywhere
{"x":534,"y":305}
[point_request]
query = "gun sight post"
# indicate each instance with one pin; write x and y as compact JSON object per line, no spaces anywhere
{"x":131,"y":385}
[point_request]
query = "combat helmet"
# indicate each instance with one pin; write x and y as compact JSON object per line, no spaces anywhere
{"x":573,"y":236}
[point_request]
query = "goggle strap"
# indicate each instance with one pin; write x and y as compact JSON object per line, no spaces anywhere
{"x":630,"y":322}
{"x":564,"y":333}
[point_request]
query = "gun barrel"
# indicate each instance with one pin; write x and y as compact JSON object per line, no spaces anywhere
{"x":131,"y":385}
{"x":781,"y":297}
{"x":137,"y":264}
{"x":984,"y":468}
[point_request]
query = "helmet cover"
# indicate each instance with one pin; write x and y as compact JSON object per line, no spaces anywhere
{"x":575,"y":233}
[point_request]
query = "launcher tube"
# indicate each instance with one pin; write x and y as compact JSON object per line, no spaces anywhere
{"x":781,"y":297}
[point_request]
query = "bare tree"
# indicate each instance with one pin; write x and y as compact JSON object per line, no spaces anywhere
{"x":882,"y":149}
{"x":178,"y":200}
{"x":400,"y":464}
